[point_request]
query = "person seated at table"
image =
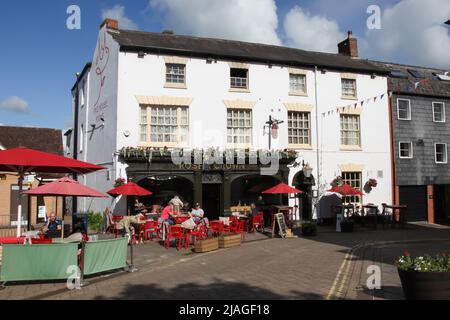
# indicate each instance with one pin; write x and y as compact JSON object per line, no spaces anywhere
{"x":52,"y":225}
{"x":77,"y":234}
{"x":254,"y":210}
{"x":167,"y":214}
{"x":197,"y":213}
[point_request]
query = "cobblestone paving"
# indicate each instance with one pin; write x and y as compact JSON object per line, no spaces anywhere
{"x":298,"y":268}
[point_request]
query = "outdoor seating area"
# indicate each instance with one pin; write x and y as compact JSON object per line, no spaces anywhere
{"x":182,"y":231}
{"x":369,"y":215}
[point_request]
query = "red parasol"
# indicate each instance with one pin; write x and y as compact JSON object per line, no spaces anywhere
{"x":346,"y":190}
{"x":282,"y":188}
{"x":129,"y":189}
{"x":23,"y":160}
{"x":65,"y":187}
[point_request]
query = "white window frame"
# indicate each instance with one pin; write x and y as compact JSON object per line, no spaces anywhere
{"x":399,"y":150}
{"x":358,"y":117}
{"x":443,"y":111}
{"x":299,"y":129}
{"x":183,"y":66}
{"x":239,"y":127}
{"x":81,"y":147}
{"x":240,"y":80}
{"x":349,"y":180}
{"x":292,"y":89}
{"x":409,"y":109}
{"x":435,"y":153}
{"x":146,"y":113}
{"x":346,"y":96}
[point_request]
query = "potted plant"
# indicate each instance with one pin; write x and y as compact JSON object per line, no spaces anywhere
{"x":95,"y":222}
{"x":309,"y":228}
{"x":119,"y":182}
{"x":347,"y":225}
{"x":424,"y":277}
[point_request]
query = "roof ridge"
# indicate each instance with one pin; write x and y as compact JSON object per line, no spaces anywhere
{"x":407,"y":65}
{"x":239,"y":41}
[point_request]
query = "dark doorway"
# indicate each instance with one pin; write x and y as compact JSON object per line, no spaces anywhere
{"x":212,"y":200}
{"x":14,"y":205}
{"x":415,"y":198}
{"x":165,"y":187}
{"x":304,"y":200}
{"x":441,"y":207}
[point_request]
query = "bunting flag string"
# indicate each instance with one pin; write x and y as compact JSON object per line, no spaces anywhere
{"x":362,"y":103}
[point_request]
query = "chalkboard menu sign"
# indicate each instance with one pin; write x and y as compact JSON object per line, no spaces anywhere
{"x":279,"y":224}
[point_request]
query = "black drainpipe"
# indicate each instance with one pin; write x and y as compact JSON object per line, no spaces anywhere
{"x":75,"y":143}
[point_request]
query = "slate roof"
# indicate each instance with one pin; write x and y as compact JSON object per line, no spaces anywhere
{"x":47,"y":140}
{"x":431,"y":87}
{"x":237,"y":51}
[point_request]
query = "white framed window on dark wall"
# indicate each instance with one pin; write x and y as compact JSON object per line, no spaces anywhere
{"x":403,"y":109}
{"x":405,"y":149}
{"x":440,"y":152}
{"x":438,"y":111}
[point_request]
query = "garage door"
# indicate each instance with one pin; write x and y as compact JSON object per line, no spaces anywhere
{"x":415,"y":197}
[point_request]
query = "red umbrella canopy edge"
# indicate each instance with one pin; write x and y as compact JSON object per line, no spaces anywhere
{"x":282,"y":188}
{"x":29,"y":160}
{"x":129,"y":189}
{"x":66,"y":187}
{"x":346,"y":190}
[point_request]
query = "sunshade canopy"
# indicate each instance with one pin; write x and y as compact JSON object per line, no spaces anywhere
{"x":65,"y":187}
{"x":129,"y":189}
{"x":282,"y":188}
{"x":346,"y":190}
{"x":29,"y":160}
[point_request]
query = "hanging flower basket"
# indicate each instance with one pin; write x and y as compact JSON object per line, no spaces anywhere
{"x":119,"y":182}
{"x":373,"y":183}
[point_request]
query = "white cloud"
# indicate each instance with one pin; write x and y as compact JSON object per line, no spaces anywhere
{"x":245,"y":20}
{"x":118,"y":13}
{"x":311,"y":32}
{"x":15,"y":104}
{"x":413,"y":32}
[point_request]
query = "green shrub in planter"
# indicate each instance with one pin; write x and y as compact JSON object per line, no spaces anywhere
{"x":309,"y":228}
{"x":95,"y":221}
{"x":347,"y":226}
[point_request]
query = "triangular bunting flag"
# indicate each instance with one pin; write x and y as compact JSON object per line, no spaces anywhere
{"x":382,"y":96}
{"x":416,"y":85}
{"x":374,"y":99}
{"x":362,"y":103}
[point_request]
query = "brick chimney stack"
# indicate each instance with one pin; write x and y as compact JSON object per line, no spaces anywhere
{"x":110,"y":24}
{"x":349,"y":47}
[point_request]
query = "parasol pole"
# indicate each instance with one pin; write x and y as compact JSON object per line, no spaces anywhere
{"x":19,"y":207}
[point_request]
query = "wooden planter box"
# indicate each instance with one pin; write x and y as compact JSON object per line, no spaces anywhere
{"x":206,"y":245}
{"x":229,"y":241}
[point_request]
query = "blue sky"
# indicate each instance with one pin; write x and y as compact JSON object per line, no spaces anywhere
{"x":40,"y":56}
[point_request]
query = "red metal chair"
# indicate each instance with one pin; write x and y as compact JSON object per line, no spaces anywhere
{"x":150,"y":228}
{"x":240,"y":229}
{"x":174,"y":232}
{"x":113,"y":225}
{"x":258,"y":223}
{"x":199,"y":233}
{"x":216,"y":227}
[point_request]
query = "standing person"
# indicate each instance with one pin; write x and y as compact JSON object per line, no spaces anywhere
{"x":177,"y":204}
